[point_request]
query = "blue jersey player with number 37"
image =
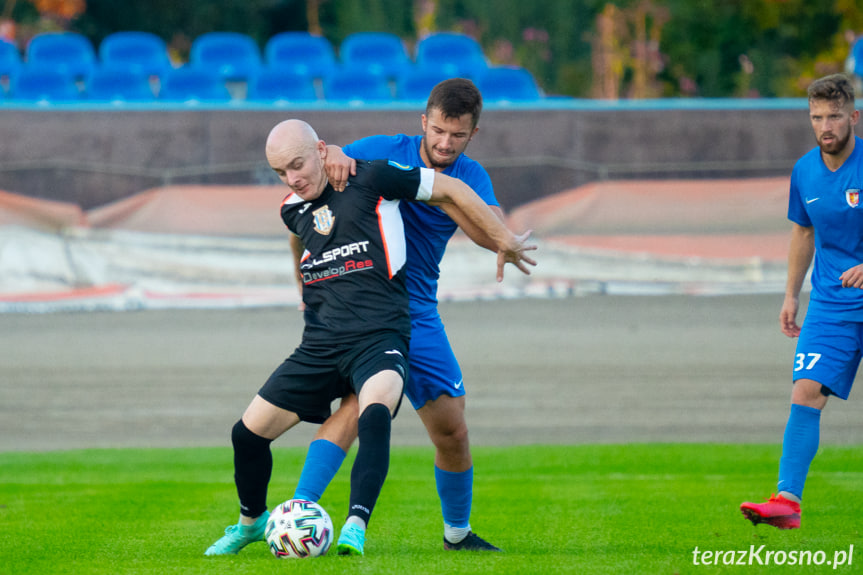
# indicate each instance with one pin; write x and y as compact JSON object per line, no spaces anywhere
{"x":827,"y":214}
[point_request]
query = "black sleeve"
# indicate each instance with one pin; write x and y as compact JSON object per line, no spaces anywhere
{"x":389,"y":180}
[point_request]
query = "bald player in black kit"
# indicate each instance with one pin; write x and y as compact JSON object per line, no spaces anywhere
{"x":357,"y":323}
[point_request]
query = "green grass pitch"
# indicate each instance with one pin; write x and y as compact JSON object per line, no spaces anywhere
{"x":553,"y":509}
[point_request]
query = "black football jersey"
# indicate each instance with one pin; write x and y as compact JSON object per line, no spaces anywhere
{"x":353,"y":264}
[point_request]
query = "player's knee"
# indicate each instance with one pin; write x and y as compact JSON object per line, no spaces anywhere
{"x":385,"y":387}
{"x":375,"y":420}
{"x":809,"y":393}
{"x":243,"y":438}
{"x":349,"y":403}
{"x":451,"y":438}
{"x":340,"y":428}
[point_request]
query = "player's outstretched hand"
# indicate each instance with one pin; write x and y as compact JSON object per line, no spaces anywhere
{"x":339,"y":167}
{"x":515,"y":254}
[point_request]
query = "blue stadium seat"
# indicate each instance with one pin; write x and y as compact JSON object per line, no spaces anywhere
{"x":10,"y":59}
{"x":67,"y":52}
{"x":507,"y":84}
{"x":119,"y":84}
{"x":138,"y":51}
{"x":456,"y":54}
{"x":272,"y":85}
{"x":375,"y":52}
{"x":191,"y":84}
{"x":234,"y":55}
{"x":301,"y":53}
{"x":348,"y":85}
{"x":417,"y":83}
{"x":856,"y":58}
{"x":38,"y":84}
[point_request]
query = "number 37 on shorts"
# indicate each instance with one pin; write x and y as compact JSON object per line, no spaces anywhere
{"x":805,"y":361}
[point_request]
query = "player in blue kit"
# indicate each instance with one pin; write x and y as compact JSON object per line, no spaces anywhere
{"x":827,"y":214}
{"x":435,"y":386}
{"x":357,"y":320}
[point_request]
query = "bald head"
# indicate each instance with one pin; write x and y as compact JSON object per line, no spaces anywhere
{"x":291,"y":135}
{"x":296,"y":154}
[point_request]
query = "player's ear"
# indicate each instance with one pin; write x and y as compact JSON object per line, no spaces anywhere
{"x":855,"y":116}
{"x":424,"y":120}
{"x":322,"y":149}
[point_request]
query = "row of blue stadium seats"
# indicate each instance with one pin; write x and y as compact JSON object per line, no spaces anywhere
{"x":237,"y":56}
{"x":191,"y":83}
{"x":371,"y":66}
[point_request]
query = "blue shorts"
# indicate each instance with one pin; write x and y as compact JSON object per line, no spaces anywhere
{"x":434,"y":370}
{"x":829,"y":352}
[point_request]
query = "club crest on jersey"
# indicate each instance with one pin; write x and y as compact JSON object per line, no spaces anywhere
{"x":324,"y":219}
{"x":852,"y":197}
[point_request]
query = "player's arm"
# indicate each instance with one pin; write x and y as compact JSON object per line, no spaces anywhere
{"x":800,"y":254}
{"x":297,"y":249}
{"x":510,"y":248}
{"x":339,"y":167}
{"x":479,"y":237}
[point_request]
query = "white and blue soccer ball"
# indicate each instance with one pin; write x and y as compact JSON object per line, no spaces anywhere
{"x":297,"y":529}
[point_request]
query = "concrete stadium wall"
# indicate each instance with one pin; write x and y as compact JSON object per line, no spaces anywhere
{"x":92,"y":157}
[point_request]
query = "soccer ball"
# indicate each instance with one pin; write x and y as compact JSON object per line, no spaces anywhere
{"x":299,"y":528}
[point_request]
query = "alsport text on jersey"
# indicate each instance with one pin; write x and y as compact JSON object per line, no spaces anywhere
{"x":353,"y":265}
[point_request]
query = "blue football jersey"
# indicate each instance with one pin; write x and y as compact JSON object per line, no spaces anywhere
{"x":831,"y":203}
{"x":427,"y":228}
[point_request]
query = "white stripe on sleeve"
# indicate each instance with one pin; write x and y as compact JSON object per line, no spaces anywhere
{"x":424,"y":193}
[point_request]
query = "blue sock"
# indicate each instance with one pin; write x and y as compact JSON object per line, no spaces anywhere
{"x":799,"y":446}
{"x":456,"y":495}
{"x":322,"y":462}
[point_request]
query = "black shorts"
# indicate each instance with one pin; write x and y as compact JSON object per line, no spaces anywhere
{"x":313,"y":376}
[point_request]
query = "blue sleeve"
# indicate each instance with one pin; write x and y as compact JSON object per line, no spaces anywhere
{"x":371,"y":148}
{"x":796,"y":208}
{"x":477,"y":178}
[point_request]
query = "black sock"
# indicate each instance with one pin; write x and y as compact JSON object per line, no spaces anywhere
{"x":253,"y":465}
{"x":372,"y":462}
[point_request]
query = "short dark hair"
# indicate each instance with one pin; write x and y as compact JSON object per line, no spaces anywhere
{"x":835,"y":87}
{"x":455,"y":98}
